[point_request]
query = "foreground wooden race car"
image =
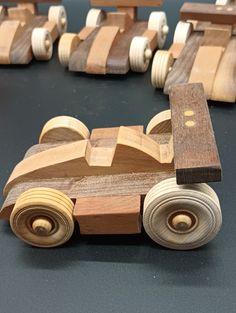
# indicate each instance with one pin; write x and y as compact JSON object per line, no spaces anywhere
{"x":116,"y":179}
{"x":114,"y":42}
{"x":203,"y":50}
{"x":24,"y":34}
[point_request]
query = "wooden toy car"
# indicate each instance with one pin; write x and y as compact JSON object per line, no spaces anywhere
{"x":202,"y":51}
{"x":24,"y":34}
{"x":116,"y":179}
{"x":114,"y":42}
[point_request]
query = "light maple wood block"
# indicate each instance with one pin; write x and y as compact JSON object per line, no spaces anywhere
{"x":152,"y":37}
{"x":224,"y":83}
{"x":10,"y":31}
{"x":126,"y":3}
{"x":176,"y":49}
{"x":23,"y":15}
{"x":97,"y":58}
{"x":119,"y":19}
{"x":85,"y":32}
{"x":217,"y":35}
{"x":111,"y":132}
{"x":204,"y":68}
{"x":52,"y":28}
{"x":32,"y":7}
{"x":108,"y":215}
{"x":131,"y":11}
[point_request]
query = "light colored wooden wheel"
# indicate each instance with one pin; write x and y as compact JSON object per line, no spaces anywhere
{"x":57,"y":14}
{"x":181,"y":217}
{"x":222,"y":2}
{"x":140,"y":54}
{"x":42,"y":217}
{"x":158,"y":22}
{"x":67,"y":45}
{"x":95,"y":17}
{"x":41,"y":41}
{"x":63,"y":128}
{"x":160,"y":123}
{"x":161,"y":66}
{"x":182,"y":32}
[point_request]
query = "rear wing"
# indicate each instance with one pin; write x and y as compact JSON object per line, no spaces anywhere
{"x":217,"y":14}
{"x":196,"y":156}
{"x":126,"y":3}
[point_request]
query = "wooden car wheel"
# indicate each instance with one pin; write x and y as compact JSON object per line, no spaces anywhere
{"x":158,"y":22}
{"x":67,"y":45}
{"x":181,"y":216}
{"x":42,"y":217}
{"x":42,"y":46}
{"x":57,"y":14}
{"x":63,"y":128}
{"x":161,"y":66}
{"x":140,"y":54}
{"x":182,"y":32}
{"x":94,"y":18}
{"x":222,"y":2}
{"x":160,"y":123}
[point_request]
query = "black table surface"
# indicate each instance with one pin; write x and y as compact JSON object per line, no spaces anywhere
{"x":108,"y":273}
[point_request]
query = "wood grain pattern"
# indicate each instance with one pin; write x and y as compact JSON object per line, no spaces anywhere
{"x":224,"y":88}
{"x":176,"y":49}
{"x":217,"y":35}
{"x":99,"y":51}
{"x":108,"y":215}
{"x":196,"y":155}
{"x":204,"y":67}
{"x":89,"y":186}
{"x":126,"y":3}
{"x":208,"y":12}
{"x":183,"y":65}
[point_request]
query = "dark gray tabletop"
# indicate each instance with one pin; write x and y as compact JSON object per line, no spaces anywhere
{"x":108,"y":274}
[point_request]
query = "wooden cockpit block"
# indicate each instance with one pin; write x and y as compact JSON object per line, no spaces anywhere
{"x":108,"y":215}
{"x":196,"y":155}
{"x":223,"y":14}
{"x":126,"y":3}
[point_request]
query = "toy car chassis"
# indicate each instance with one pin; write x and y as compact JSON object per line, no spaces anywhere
{"x":24,"y":34}
{"x":116,"y":179}
{"x":114,"y":42}
{"x":202,"y":51}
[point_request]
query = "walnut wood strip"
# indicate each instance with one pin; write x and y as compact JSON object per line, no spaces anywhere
{"x":126,"y":3}
{"x":21,"y":52}
{"x":183,"y":65}
{"x":108,"y":215}
{"x":225,"y":14}
{"x":196,"y":155}
{"x":78,"y":60}
{"x":118,"y":58}
{"x":224,"y":88}
{"x":90,"y":186}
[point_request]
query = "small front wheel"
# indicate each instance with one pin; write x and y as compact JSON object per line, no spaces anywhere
{"x":140,"y":54}
{"x":67,"y":45}
{"x":158,"y":22}
{"x":42,"y":217}
{"x":161,"y":66}
{"x":94,"y":18}
{"x":42,"y":45}
{"x":57,"y":14}
{"x":181,"y":217}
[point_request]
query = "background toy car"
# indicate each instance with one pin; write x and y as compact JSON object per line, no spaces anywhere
{"x":25,"y":34}
{"x":202,"y":51}
{"x":117,"y":179}
{"x":114,"y":42}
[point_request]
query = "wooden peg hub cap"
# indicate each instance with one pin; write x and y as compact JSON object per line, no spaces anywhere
{"x":42,"y":226}
{"x":182,"y":221}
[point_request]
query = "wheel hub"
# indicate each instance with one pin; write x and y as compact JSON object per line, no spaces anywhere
{"x":42,"y":226}
{"x":182,"y":222}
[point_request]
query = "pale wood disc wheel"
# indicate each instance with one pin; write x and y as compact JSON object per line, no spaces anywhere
{"x":161,"y":66}
{"x":158,"y":22}
{"x":94,"y":17}
{"x":160,"y":123}
{"x":63,"y":128}
{"x":182,"y":32}
{"x":42,"y":217}
{"x":67,"y":45}
{"x":57,"y":14}
{"x":181,"y":217}
{"x":140,"y":54}
{"x":222,"y":2}
{"x":42,"y":44}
